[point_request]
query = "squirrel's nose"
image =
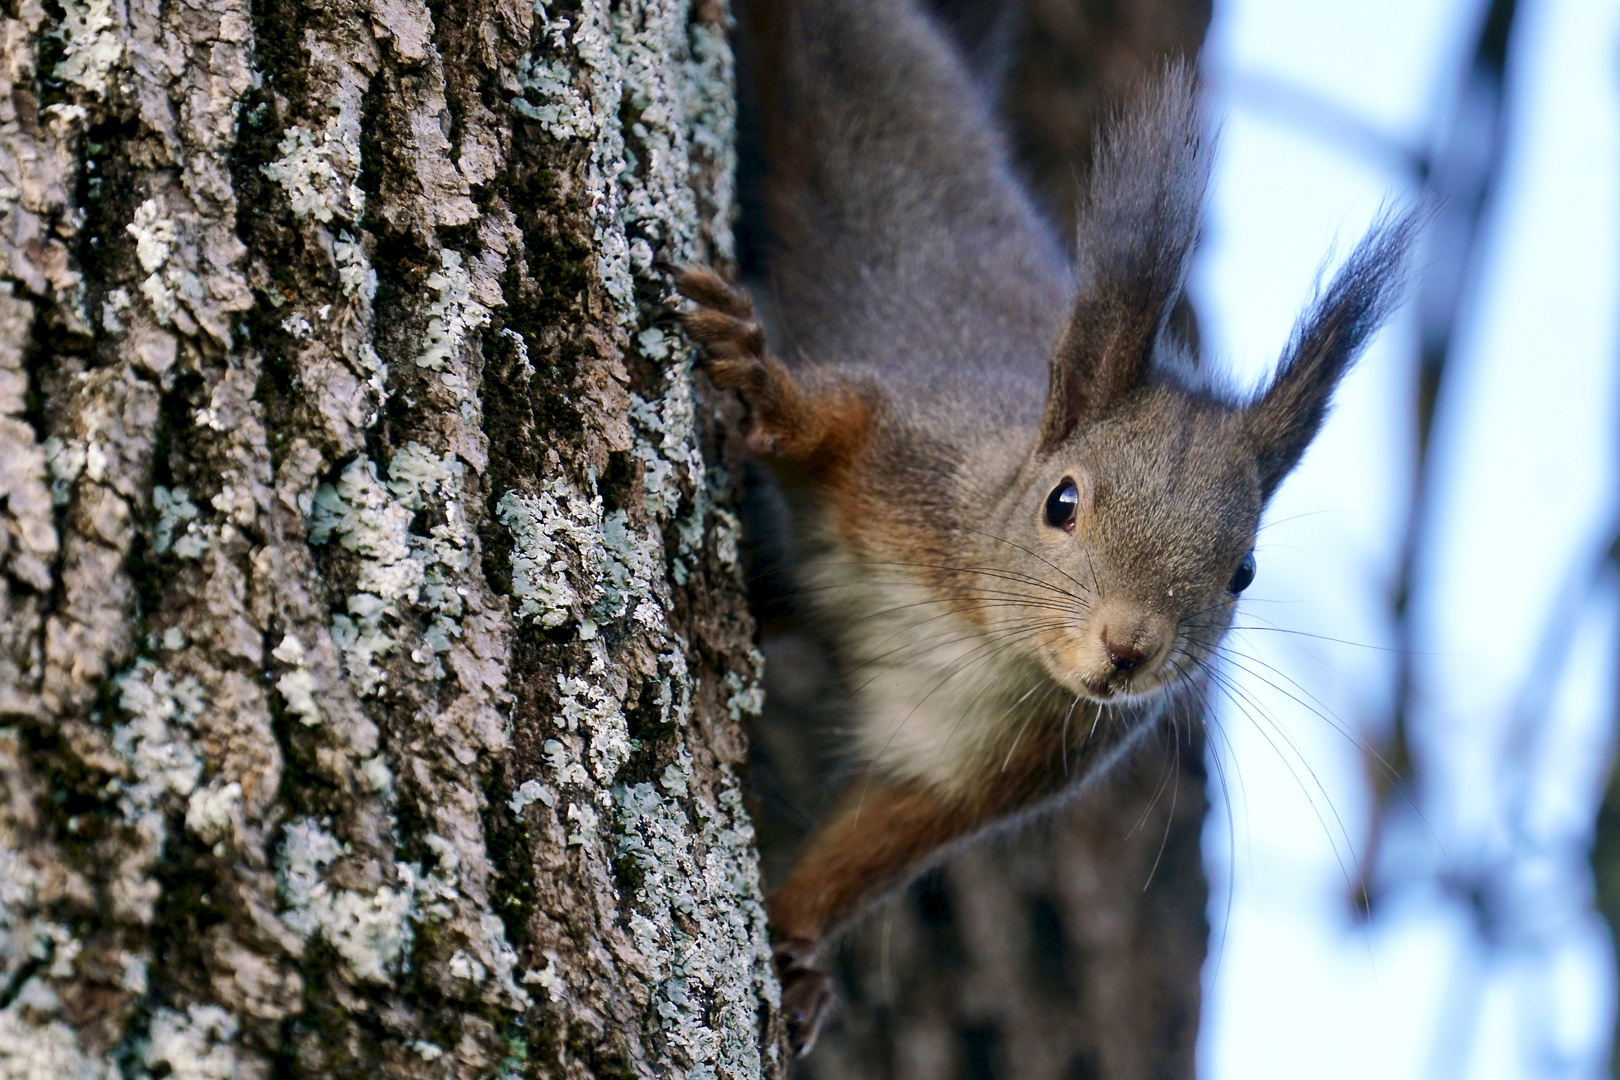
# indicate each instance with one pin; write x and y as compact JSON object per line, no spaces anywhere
{"x":1124,"y":657}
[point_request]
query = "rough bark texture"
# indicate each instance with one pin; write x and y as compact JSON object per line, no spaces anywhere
{"x":372,"y":645}
{"x":1072,"y":948}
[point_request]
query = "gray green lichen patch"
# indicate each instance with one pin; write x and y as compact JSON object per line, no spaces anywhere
{"x":545,"y":529}
{"x":298,"y":685}
{"x":197,"y":1044}
{"x":355,"y":272}
{"x":591,"y":705}
{"x":90,"y":44}
{"x":698,"y":920}
{"x":399,"y":568}
{"x":30,"y":1050}
{"x":561,"y":536}
{"x":665,"y":439}
{"x":747,"y":697}
{"x":157,"y":743}
{"x":155,"y":237}
{"x":370,"y":930}
{"x":165,"y":770}
{"x":452,"y":316}
{"x":646,"y":86}
{"x":373,"y":929}
{"x":177,"y":514}
{"x":317,"y":169}
{"x":531,"y":791}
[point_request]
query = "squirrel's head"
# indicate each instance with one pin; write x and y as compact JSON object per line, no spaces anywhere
{"x":1141,"y":498}
{"x":1145,"y":517}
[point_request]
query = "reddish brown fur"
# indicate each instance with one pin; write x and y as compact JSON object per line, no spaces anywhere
{"x":821,"y":434}
{"x":868,"y":844}
{"x":933,"y":419}
{"x":878,"y":834}
{"x":823,"y":437}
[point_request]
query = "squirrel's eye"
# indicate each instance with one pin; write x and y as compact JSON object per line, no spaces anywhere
{"x":1062,"y":504}
{"x":1243,"y":576}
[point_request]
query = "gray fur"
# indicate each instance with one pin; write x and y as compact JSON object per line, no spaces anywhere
{"x":907,"y":258}
{"x":1325,"y":343}
{"x":909,"y":272}
{"x":1136,"y":239}
{"x":903,"y":241}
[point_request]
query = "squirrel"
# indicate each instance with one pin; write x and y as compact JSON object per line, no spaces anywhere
{"x":1024,"y":515}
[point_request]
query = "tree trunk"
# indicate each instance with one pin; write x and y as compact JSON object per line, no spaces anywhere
{"x":373,"y":652}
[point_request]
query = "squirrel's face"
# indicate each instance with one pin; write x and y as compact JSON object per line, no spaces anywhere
{"x":1141,"y":528}
{"x":1134,"y":516}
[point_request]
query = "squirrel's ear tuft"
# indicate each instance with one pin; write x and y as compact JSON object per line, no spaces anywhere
{"x":1367,"y":288}
{"x":1136,"y":231}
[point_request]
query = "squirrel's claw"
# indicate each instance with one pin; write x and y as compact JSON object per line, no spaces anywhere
{"x":807,"y":994}
{"x":723,"y":322}
{"x":821,"y":429}
{"x":734,"y":349}
{"x":710,"y":290}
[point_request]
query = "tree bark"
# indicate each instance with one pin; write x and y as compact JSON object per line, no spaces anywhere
{"x":373,"y":652}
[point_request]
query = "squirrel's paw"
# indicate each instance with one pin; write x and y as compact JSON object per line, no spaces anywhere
{"x":736,"y":359}
{"x":723,"y":324}
{"x":807,"y":994}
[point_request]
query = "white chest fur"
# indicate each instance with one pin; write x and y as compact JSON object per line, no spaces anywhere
{"x":934,"y":697}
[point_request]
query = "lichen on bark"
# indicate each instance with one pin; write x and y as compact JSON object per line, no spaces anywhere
{"x":371,"y":631}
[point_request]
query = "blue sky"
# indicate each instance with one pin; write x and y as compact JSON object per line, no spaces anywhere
{"x":1526,"y":457}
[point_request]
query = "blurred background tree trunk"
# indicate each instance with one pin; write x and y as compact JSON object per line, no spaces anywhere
{"x":1073,"y":948}
{"x":1605,"y":856}
{"x":373,"y":652}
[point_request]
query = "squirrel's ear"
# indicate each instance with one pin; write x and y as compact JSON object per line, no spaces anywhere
{"x":1136,"y":231}
{"x":1285,"y":418}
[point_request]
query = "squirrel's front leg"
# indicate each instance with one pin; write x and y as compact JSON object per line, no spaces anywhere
{"x":818,"y":429}
{"x":875,"y":838}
